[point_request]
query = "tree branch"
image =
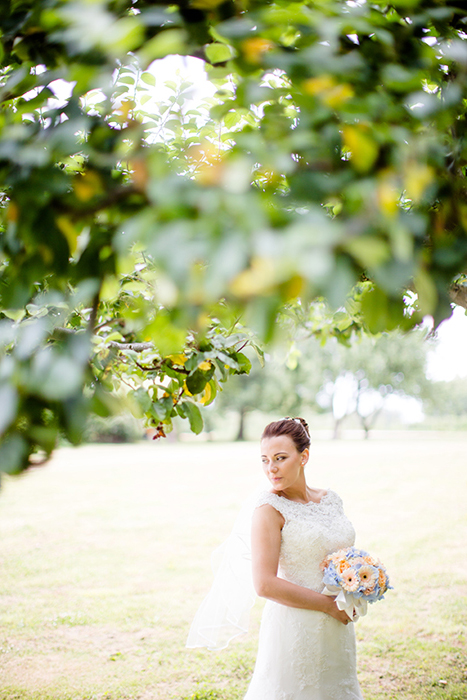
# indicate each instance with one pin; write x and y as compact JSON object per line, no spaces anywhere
{"x":136,"y":347}
{"x":140,"y":347}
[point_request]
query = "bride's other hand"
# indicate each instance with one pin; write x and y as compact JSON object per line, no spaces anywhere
{"x":339,"y":615}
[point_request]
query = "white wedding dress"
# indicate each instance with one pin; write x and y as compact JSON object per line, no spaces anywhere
{"x":305,"y":654}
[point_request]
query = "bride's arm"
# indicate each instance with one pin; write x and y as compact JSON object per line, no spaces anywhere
{"x":265,"y":545}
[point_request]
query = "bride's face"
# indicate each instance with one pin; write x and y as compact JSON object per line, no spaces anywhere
{"x":282,"y":463}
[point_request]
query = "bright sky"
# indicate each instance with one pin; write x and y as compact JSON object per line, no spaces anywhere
{"x":181,"y":68}
{"x":449,"y":359}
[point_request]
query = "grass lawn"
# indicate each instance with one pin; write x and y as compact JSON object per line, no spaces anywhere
{"x":105,"y":556}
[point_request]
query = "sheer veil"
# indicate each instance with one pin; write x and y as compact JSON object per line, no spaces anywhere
{"x":225,"y":612}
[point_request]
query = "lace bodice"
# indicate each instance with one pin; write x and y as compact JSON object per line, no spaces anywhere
{"x":310,"y":532}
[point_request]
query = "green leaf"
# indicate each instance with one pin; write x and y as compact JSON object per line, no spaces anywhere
{"x":229,"y":360}
{"x":194,"y":361}
{"x":218,"y":53}
{"x":55,"y":376}
{"x":142,"y":400}
{"x":148,"y":78}
{"x":8,"y":406}
{"x":194,"y":416}
{"x":13,"y":454}
{"x":169,"y":41}
{"x":244,"y":363}
{"x":162,"y":408}
{"x":196,"y":381}
{"x":167,"y":337}
{"x":45,"y":437}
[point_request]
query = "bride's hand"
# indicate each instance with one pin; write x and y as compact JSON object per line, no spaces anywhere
{"x":339,"y":615}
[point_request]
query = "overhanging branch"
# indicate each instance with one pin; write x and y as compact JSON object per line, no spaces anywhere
{"x":136,"y":347}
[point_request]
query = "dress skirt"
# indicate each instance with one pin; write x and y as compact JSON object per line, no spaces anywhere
{"x":304,"y":655}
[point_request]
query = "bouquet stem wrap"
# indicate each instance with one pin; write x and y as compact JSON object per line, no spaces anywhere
{"x":354,"y":607}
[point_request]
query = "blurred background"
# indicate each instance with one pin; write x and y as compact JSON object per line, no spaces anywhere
{"x":395,"y":382}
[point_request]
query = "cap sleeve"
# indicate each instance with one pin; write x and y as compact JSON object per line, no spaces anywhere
{"x":272,"y":499}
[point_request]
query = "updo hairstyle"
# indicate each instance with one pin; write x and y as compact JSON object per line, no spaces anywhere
{"x":295,"y":428}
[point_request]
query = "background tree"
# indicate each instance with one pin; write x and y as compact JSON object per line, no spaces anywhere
{"x":360,"y":379}
{"x":273,"y":388}
{"x":132,"y":241}
{"x":448,"y":399}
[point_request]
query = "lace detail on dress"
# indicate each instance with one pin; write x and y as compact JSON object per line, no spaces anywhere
{"x":293,"y":509}
{"x":311,"y":531}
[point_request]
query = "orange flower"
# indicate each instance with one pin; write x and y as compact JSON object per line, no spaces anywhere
{"x":342,"y":565}
{"x":370,"y":560}
{"x":382,"y":581}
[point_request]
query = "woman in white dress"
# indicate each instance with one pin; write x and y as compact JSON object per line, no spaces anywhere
{"x":306,"y":645}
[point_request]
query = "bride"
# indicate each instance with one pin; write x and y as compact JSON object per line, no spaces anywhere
{"x":306,"y":644}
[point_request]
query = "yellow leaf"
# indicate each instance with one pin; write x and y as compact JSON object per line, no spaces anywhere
{"x":209,"y":174}
{"x":208,"y":161}
{"x":293,"y":288}
{"x":258,"y":278}
{"x":319,"y":85}
{"x":363,"y":149}
{"x":254,"y":49}
{"x":12,"y":211}
{"x":69,"y":231}
{"x":88,"y":185}
{"x":139,"y":173}
{"x":388,"y":194}
{"x":125,"y":109}
{"x":417,"y":178}
{"x":205,"y":366}
{"x":338,"y":96}
{"x":179,"y":359}
{"x":332,"y":93}
{"x":203,"y":321}
{"x":206,"y":395}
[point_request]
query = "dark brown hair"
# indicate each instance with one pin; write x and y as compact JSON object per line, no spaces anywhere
{"x":295,"y":428}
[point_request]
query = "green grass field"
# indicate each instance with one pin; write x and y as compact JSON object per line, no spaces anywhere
{"x":105,"y":556}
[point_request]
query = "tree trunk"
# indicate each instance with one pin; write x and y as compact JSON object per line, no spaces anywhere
{"x":366,"y":428}
{"x":369,"y":421}
{"x":241,"y":426}
{"x":337,"y":425}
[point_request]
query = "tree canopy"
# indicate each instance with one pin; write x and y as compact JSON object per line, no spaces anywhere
{"x":138,"y":246}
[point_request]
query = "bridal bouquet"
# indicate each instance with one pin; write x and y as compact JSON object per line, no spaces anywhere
{"x":356,"y":578}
